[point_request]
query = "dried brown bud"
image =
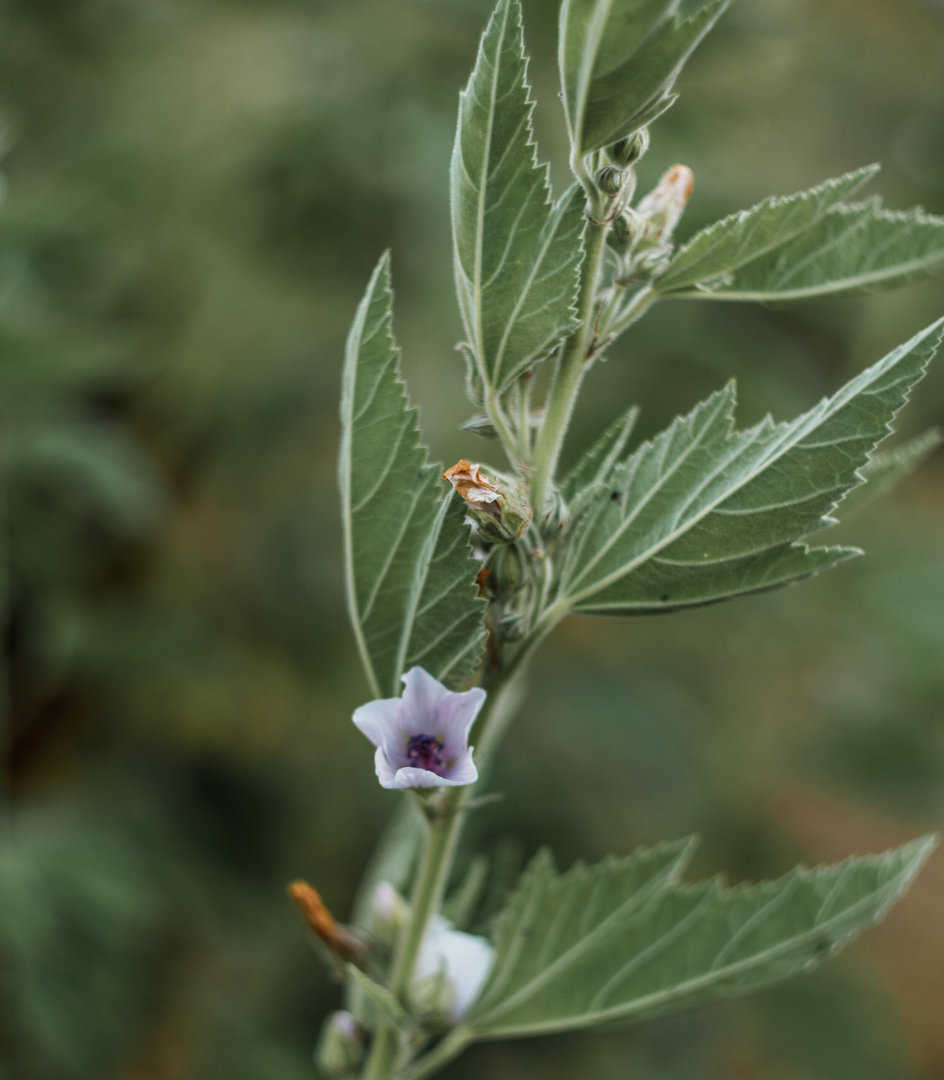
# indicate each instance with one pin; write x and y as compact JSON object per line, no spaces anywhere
{"x":342,"y":943}
{"x":497,"y":509}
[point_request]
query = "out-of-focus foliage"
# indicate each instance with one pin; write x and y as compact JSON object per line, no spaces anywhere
{"x":195,"y":194}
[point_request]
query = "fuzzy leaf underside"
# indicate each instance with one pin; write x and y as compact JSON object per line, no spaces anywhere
{"x":594,"y":955}
{"x":852,"y":249}
{"x":586,"y":902}
{"x":517,"y":256}
{"x":600,"y":459}
{"x":409,"y":572}
{"x":739,"y":238}
{"x":702,"y":512}
{"x":619,"y":60}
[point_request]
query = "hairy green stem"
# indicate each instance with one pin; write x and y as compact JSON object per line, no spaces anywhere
{"x":496,"y":415}
{"x":450,"y":1047}
{"x":445,"y":824}
{"x":566,"y":385}
{"x":524,"y":415}
{"x":638,"y":305}
{"x":443,"y":832}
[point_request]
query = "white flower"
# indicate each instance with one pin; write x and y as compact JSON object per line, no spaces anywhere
{"x":451,"y":969}
{"x":422,"y":737}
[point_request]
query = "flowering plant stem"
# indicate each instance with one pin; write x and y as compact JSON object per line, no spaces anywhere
{"x":700,"y":513}
{"x":444,"y":824}
{"x":577,"y":350}
{"x":441,"y":837}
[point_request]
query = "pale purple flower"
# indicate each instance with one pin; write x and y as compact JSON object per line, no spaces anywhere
{"x":422,"y":737}
{"x":451,"y":969}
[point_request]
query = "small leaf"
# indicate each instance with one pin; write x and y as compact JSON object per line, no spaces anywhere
{"x":853,"y":249}
{"x":735,"y":240}
{"x":702,"y":512}
{"x":517,"y":257}
{"x":573,"y":951}
{"x":619,"y":60}
{"x":409,"y":572}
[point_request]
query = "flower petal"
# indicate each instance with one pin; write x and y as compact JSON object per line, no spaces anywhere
{"x":386,"y":773}
{"x":464,"y":770}
{"x":421,"y":696}
{"x":377,"y":719}
{"x":455,"y":715}
{"x":412,"y":777}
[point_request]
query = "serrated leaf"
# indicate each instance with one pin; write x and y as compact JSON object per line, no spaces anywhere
{"x":737,"y":239}
{"x":619,"y":60}
{"x":702,"y":512}
{"x":885,"y":468}
{"x":408,"y":568}
{"x":585,"y":903}
{"x":682,"y":945}
{"x":517,"y":257}
{"x":853,"y":249}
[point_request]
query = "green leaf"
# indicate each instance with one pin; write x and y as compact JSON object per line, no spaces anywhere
{"x":853,"y":249}
{"x":517,"y":257}
{"x":702,"y":512}
{"x":737,"y":239}
{"x":585,"y":903}
{"x":885,"y":468}
{"x":599,"y":460}
{"x":409,"y":573}
{"x":461,"y":905}
{"x":598,"y":950}
{"x":619,"y":60}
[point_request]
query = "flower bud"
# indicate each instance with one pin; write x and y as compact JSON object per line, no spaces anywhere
{"x":340,"y":1048}
{"x":629,"y":150}
{"x":609,"y":180}
{"x":387,"y":914}
{"x":624,"y":232}
{"x":507,"y":571}
{"x":432,"y":996}
{"x":451,"y":969}
{"x":499,"y":511}
{"x":663,"y":206}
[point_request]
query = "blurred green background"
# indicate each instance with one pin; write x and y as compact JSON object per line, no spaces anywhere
{"x":196,"y":191}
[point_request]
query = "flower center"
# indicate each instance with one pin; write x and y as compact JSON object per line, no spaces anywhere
{"x":423,"y":751}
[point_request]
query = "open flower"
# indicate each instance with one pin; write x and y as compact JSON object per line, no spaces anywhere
{"x":451,"y":969}
{"x":422,"y":737}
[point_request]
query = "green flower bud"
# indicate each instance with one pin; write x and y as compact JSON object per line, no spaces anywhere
{"x":387,"y":913}
{"x":609,"y":180}
{"x":499,"y":511}
{"x":620,"y":236}
{"x":507,"y":571}
{"x":629,"y":150}
{"x":433,"y":995}
{"x":340,"y":1048}
{"x":624,"y":232}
